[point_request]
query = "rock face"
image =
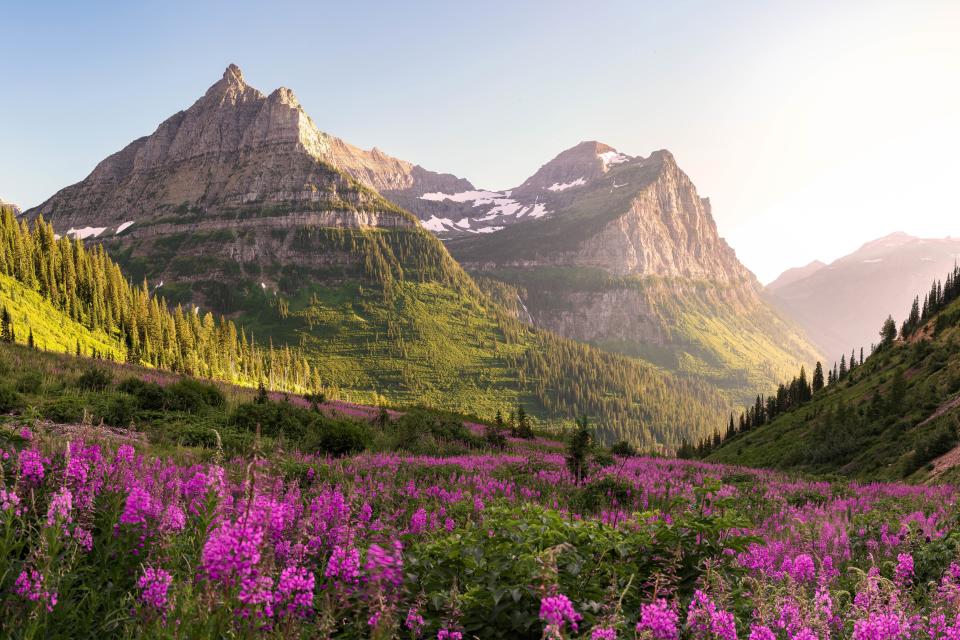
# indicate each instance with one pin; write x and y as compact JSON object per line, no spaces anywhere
{"x":235,"y":150}
{"x":629,"y":258}
{"x":842,"y":305}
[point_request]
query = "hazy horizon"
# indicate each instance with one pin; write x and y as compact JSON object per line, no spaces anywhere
{"x":842,"y":131}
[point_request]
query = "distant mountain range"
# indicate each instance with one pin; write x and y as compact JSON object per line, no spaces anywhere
{"x":841,"y":305}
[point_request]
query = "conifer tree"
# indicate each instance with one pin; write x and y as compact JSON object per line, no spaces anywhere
{"x":817,"y":383}
{"x":6,"y":326}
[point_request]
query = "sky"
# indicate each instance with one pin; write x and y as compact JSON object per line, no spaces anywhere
{"x":813,"y":126}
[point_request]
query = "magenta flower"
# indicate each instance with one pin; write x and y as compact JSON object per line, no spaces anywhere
{"x":904,"y":571}
{"x":139,"y":507}
{"x":659,"y":619}
{"x":603,"y":633}
{"x":60,"y":508}
{"x":557,"y":610}
{"x":449,"y":634}
{"x":294,"y":593}
{"x":30,"y":586}
{"x":31,"y":466}
{"x":707,"y":621}
{"x":344,"y":565}
{"x":154,"y":585}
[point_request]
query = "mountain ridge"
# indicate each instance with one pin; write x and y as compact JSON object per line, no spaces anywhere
{"x":839,"y":304}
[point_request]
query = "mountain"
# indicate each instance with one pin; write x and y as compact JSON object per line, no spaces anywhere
{"x":240,"y":205}
{"x":627,"y":257}
{"x":470,"y":211}
{"x":895,"y":415}
{"x":841,"y":305}
{"x":793,"y":275}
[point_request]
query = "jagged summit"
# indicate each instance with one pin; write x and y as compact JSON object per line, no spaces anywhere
{"x":573,"y":168}
{"x":236,"y":147}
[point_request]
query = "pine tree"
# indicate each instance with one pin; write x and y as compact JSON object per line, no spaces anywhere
{"x":30,"y":343}
{"x":578,"y":448}
{"x":6,"y":326}
{"x":817,"y":383}
{"x":888,"y":332}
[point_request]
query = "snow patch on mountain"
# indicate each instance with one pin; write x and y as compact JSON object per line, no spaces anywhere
{"x":477,"y":197}
{"x":86,"y":232}
{"x":556,"y":186}
{"x":436,"y":224}
{"x":612,"y":157}
{"x":123,"y":227}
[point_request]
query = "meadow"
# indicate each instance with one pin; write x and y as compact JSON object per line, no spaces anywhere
{"x":420,"y":525}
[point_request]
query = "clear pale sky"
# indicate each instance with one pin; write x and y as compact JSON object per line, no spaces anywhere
{"x":813,"y":126}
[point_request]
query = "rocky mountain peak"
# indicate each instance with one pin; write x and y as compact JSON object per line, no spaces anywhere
{"x":233,"y":75}
{"x":574,"y":167}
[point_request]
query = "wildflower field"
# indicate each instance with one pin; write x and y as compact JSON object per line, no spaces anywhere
{"x":99,"y":537}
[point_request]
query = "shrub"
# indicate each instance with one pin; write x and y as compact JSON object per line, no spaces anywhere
{"x":623,"y":448}
{"x":194,"y":396}
{"x":150,"y":396}
{"x":94,"y":379}
{"x":117,"y":410}
{"x":30,"y":382}
{"x":337,"y":439}
{"x":9,"y":399}
{"x":274,"y":418}
{"x":66,"y":408}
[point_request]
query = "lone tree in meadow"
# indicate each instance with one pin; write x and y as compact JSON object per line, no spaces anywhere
{"x":578,"y":448}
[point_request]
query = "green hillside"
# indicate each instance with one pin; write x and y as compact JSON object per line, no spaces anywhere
{"x":893,"y":416}
{"x":52,"y":330}
{"x":393,"y":321}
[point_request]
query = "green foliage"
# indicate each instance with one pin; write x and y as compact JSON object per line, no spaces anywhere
{"x":336,"y":438}
{"x":193,"y":396}
{"x":502,"y":564}
{"x":10,"y":399}
{"x":94,"y":379}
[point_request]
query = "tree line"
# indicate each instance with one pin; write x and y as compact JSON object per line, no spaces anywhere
{"x":88,"y":287}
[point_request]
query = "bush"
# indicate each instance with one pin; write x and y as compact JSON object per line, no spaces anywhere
{"x":66,"y":408}
{"x":150,"y":396}
{"x":337,"y":439}
{"x":623,"y":448}
{"x":117,"y":410}
{"x":94,"y":379}
{"x":10,"y":400}
{"x":193,"y":396}
{"x":30,"y":382}
{"x":274,"y":418}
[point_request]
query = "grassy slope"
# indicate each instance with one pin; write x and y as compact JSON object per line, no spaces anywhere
{"x":740,"y":352}
{"x":52,"y":329}
{"x":847,"y":430}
